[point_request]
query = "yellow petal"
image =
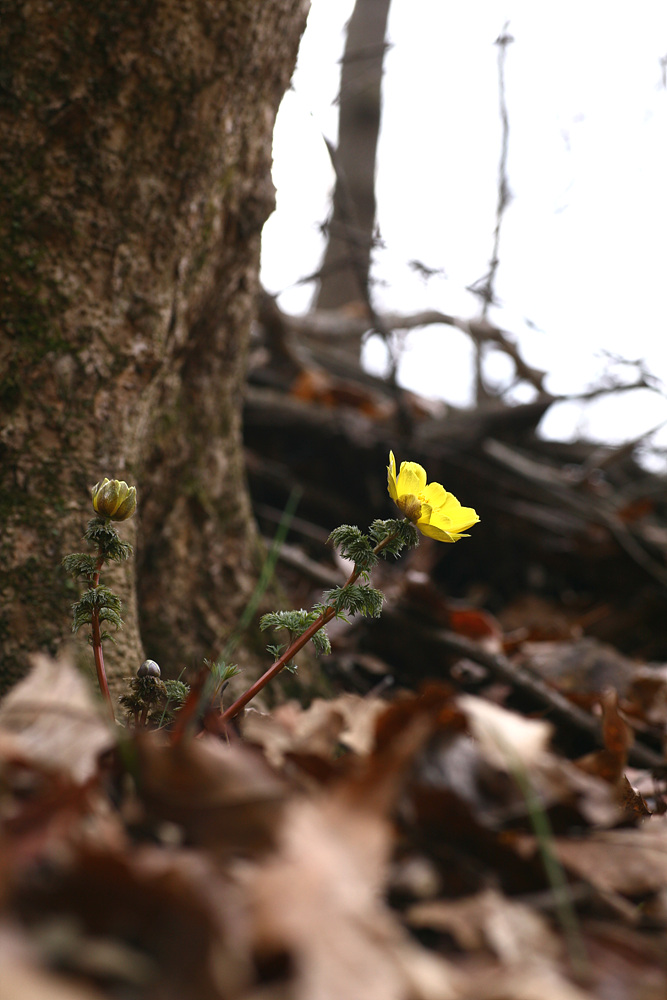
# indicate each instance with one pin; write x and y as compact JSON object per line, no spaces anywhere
{"x":127,"y":507}
{"x":391,"y":477}
{"x":434,"y":531}
{"x":437,"y":513}
{"x":411,"y":479}
{"x":436,"y":495}
{"x":465,"y":519}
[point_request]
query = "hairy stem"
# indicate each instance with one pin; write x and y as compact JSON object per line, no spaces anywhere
{"x":293,"y":648}
{"x":97,"y":644}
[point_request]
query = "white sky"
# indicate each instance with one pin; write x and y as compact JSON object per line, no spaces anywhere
{"x":584,"y":243}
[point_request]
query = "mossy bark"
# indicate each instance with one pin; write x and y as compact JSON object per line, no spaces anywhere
{"x":135,"y":168}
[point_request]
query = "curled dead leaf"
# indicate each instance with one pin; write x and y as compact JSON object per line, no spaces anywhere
{"x":320,"y":729}
{"x":52,"y":719}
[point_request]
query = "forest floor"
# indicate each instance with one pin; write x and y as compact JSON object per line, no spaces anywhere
{"x":472,"y":808}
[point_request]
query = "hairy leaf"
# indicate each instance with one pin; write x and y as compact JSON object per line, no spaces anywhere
{"x":407,"y":535}
{"x":354,"y":545}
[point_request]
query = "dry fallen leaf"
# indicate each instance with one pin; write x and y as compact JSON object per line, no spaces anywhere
{"x":505,"y":738}
{"x":518,"y":747}
{"x":23,"y":980}
{"x":276,"y":894}
{"x":317,"y":917}
{"x":518,"y":983}
{"x":224,"y":797}
{"x":148,"y":922}
{"x":629,"y":861}
{"x":648,"y":692}
{"x":52,"y":719}
{"x":348,"y":720}
{"x":319,"y":923}
{"x":610,"y":762}
{"x":513,"y":932}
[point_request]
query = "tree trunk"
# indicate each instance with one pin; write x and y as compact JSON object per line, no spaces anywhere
{"x":135,"y":170}
{"x":348,"y":254}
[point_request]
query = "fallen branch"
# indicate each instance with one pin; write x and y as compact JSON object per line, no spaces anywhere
{"x":520,"y":677}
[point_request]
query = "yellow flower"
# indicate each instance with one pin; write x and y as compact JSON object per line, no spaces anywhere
{"x":115,"y":499}
{"x":436,"y":512}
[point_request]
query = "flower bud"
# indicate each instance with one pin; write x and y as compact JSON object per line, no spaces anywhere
{"x":148,"y":668}
{"x":115,"y":499}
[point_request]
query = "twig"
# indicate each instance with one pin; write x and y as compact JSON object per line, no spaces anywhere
{"x":604,"y":458}
{"x":326,"y":324}
{"x":485,"y":288}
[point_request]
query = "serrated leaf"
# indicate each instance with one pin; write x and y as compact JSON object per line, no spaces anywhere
{"x":405,"y":535}
{"x":322,"y":643}
{"x":79,"y":564}
{"x":355,"y":599}
{"x":353,"y":544}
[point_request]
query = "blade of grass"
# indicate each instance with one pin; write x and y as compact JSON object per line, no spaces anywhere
{"x":265,"y":576}
{"x":563,"y":903}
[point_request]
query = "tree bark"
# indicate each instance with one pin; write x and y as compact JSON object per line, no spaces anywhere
{"x":135,"y":166}
{"x":348,"y":254}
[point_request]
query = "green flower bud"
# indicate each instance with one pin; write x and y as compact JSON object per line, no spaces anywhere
{"x":115,"y":499}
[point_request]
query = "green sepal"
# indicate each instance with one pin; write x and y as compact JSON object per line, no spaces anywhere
{"x":103,"y":535}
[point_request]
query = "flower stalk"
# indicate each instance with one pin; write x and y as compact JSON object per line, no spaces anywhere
{"x":325,"y":616}
{"x":96,"y":638}
{"x":113,"y":500}
{"x":427,"y":508}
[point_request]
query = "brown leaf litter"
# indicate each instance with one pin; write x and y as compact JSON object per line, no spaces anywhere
{"x":357,"y":848}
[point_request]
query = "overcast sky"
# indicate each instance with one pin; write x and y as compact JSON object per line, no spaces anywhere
{"x":584,"y":242}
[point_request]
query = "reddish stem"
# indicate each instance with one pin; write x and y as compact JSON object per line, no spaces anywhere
{"x":188,"y":712}
{"x":99,"y":661}
{"x":294,"y":648}
{"x":97,"y":645}
{"x":276,"y":667}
